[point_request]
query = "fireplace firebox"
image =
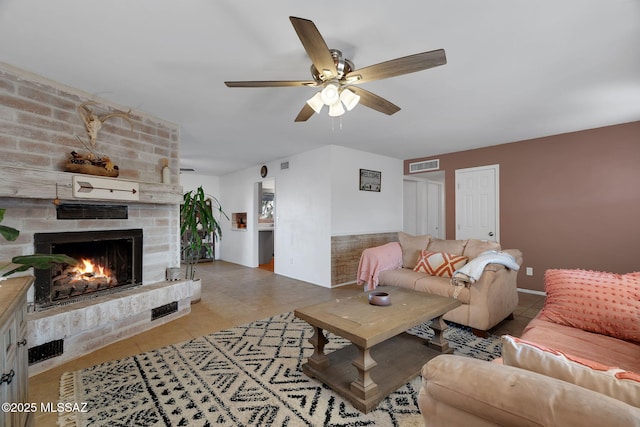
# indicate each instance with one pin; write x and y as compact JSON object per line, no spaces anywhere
{"x":109,"y":261}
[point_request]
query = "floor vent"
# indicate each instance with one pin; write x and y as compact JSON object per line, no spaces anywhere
{"x":164,"y":310}
{"x":425,"y":166}
{"x":46,"y":351}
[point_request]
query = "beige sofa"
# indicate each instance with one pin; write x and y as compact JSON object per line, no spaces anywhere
{"x":485,"y":303}
{"x":576,"y":364}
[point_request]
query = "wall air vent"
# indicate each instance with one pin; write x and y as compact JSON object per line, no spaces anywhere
{"x":45,"y":351}
{"x":284,"y":165}
{"x":425,"y":166}
{"x":164,"y":310}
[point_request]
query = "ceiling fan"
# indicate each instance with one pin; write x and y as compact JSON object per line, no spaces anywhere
{"x":338,"y":77}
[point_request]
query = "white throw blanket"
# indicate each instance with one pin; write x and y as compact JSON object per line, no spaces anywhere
{"x":471,"y":272}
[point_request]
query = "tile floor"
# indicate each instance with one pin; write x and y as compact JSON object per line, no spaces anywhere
{"x":231,"y":295}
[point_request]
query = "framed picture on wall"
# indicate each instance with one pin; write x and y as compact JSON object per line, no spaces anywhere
{"x":370,"y":180}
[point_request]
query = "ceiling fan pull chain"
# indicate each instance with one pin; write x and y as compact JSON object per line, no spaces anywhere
{"x":333,"y":123}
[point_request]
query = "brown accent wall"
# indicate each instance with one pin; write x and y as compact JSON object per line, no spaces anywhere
{"x":567,"y":201}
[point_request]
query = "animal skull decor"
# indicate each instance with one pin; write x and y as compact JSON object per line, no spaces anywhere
{"x":93,"y":122}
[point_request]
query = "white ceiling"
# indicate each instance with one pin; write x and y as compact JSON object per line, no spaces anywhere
{"x":516,"y":69}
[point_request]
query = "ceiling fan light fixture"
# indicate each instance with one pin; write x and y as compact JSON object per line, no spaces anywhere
{"x":332,"y":74}
{"x":349,"y":99}
{"x":316,"y":102}
{"x":336,"y":109}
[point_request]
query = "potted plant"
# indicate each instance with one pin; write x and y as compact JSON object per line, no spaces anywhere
{"x":25,"y":262}
{"x":197,"y":222}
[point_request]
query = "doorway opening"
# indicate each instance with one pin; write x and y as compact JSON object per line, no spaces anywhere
{"x":266,"y":203}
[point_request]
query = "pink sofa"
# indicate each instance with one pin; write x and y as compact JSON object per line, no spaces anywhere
{"x":485,"y":302}
{"x":577,"y":363}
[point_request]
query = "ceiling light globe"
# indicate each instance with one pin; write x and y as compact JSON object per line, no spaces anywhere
{"x":316,"y":102}
{"x":330,"y":94}
{"x":336,"y":109}
{"x":349,"y":99}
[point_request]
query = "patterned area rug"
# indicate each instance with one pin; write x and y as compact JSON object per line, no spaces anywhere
{"x":245,"y":376}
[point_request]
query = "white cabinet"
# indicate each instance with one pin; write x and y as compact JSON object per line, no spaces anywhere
{"x":14,"y":369}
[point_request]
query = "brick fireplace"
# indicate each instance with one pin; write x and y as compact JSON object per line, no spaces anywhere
{"x":39,"y":127}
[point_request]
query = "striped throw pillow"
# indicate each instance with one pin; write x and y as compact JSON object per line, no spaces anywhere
{"x":439,"y":263}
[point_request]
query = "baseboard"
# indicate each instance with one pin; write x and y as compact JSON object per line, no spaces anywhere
{"x":343,"y":284}
{"x":529,"y":291}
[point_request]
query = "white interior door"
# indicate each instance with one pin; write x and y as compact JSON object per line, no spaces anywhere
{"x":477,"y":203}
{"x":410,"y":207}
{"x":423,"y":204}
{"x":435,"y":211}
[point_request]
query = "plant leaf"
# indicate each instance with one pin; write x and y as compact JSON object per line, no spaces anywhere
{"x":43,"y":262}
{"x":15,"y":270}
{"x":9,"y":233}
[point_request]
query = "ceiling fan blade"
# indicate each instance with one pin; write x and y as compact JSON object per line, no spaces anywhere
{"x":398,"y":66}
{"x":273,"y":83}
{"x":315,"y":46}
{"x":305,"y":113}
{"x":371,"y":100}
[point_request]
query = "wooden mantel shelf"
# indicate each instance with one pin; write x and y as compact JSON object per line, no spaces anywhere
{"x":41,"y":184}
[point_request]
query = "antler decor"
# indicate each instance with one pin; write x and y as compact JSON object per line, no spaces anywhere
{"x":92,"y":163}
{"x":93,"y":122}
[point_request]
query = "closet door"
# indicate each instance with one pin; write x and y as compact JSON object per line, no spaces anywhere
{"x":477,"y":203}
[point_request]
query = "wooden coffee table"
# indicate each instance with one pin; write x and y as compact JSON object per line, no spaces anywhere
{"x":382,"y":356}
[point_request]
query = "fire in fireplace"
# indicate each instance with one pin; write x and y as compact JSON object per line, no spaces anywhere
{"x":89,"y":276}
{"x":109,"y":261}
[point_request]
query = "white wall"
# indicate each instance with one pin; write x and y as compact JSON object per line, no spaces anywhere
{"x":237,"y":194}
{"x":303,"y":218}
{"x":317,"y":197}
{"x":364,"y":212}
{"x":191,"y":181}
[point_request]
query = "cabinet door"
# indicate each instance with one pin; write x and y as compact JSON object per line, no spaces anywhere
{"x":8,"y":389}
{"x":4,"y":395}
{"x":22,"y":362}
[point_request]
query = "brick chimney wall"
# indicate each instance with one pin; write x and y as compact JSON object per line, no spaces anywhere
{"x":40,"y":126}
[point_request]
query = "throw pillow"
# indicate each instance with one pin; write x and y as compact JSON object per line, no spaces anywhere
{"x":605,"y":303}
{"x":611,"y":381}
{"x":455,"y":247}
{"x":439,"y":263}
{"x":411,"y":247}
